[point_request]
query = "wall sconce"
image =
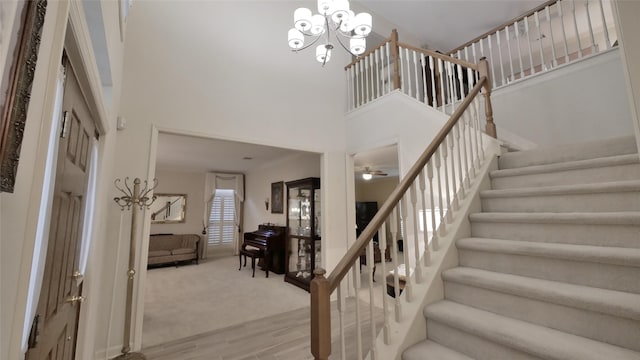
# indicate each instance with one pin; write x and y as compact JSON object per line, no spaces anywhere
{"x":266,"y":204}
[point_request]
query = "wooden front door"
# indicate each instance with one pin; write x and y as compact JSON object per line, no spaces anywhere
{"x":61,"y":292}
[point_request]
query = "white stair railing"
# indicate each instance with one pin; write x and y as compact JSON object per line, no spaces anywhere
{"x":555,"y":33}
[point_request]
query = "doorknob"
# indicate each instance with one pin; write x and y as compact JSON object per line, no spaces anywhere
{"x":77,"y":275}
{"x":75,"y":299}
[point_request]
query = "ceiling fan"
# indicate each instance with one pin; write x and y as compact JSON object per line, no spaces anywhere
{"x":368,"y":174}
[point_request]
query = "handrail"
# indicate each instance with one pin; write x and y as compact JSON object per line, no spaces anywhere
{"x":507,"y":23}
{"x":343,"y":267}
{"x":441,"y":56}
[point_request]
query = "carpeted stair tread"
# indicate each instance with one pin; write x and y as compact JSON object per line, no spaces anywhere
{"x":584,"y":253}
{"x":429,"y":350}
{"x":610,"y":302}
{"x":539,"y":341}
{"x":606,"y":187}
{"x":576,"y":218}
{"x":569,"y":152}
{"x":569,"y":165}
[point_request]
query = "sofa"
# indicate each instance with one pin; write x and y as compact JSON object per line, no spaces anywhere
{"x":172,"y":249}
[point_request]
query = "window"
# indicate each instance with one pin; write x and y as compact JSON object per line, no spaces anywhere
{"x":222,"y":218}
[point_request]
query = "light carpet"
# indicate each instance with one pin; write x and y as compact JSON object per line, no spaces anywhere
{"x":192,"y":299}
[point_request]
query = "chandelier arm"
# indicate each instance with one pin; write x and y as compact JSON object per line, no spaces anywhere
{"x":344,"y":47}
{"x":309,"y":45}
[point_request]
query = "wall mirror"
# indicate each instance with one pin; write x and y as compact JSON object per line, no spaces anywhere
{"x":169,"y":208}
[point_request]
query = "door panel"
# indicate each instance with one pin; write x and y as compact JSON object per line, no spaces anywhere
{"x":58,"y":314}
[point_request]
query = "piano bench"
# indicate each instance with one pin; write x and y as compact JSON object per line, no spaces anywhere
{"x":253,"y":254}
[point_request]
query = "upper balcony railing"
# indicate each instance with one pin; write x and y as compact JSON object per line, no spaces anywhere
{"x":435,"y":79}
{"x":555,"y":33}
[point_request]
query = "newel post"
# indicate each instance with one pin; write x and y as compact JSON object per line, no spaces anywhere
{"x":483,"y":69}
{"x":396,"y":59}
{"x":320,"y":316}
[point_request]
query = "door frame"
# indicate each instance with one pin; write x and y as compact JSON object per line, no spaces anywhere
{"x":65,"y":28}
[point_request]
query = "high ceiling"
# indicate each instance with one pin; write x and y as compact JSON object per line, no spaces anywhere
{"x":436,"y":24}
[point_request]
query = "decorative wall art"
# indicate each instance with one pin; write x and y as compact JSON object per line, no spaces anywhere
{"x":16,"y":80}
{"x":277,"y":192}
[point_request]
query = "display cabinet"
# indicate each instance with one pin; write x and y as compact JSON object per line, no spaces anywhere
{"x":303,"y":245}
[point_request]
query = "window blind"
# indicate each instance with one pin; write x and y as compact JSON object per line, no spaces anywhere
{"x":222,"y":218}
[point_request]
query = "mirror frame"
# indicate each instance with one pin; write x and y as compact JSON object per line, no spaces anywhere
{"x":182,"y":218}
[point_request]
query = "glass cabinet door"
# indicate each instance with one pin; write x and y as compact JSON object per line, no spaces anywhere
{"x":303,"y":240}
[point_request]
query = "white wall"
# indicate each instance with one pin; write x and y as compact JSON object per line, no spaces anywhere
{"x":627,"y":25}
{"x":377,"y":190}
{"x":258,"y":187}
{"x":581,"y":102}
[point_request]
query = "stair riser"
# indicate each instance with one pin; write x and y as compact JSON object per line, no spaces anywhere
{"x":595,"y":202}
{"x":598,"y":235}
{"x":569,"y":177}
{"x":472,"y":345}
{"x":606,"y":276}
{"x":609,"y":147}
{"x":611,"y":329}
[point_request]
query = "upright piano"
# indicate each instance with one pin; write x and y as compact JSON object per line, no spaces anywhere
{"x":270,"y":239}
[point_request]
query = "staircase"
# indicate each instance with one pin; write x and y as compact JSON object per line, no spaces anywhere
{"x":552,"y":270}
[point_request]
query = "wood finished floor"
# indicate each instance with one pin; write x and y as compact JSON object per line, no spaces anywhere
{"x":278,"y":337}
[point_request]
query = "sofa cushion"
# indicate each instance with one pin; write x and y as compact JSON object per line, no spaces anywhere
{"x":153,"y":253}
{"x":182,"y":251}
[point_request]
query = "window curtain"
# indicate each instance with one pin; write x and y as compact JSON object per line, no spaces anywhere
{"x":222,"y":181}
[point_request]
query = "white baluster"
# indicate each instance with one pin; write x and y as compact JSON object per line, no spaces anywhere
{"x":356,"y":286}
{"x":416,"y":73}
{"x":379,"y":70}
{"x":449,"y":143}
{"x":575,"y":23}
{"x":365,"y":78}
{"x":440,"y":71}
{"x":372,"y":322}
{"x":500,"y":57}
{"x":510,"y":77}
{"x":371,"y":77}
{"x":385,"y":302}
{"x":472,"y":164}
{"x":593,"y":40}
{"x":607,"y":41}
{"x":517,"y":29}
{"x":434,"y":93}
{"x":408,"y":286}
{"x":403,"y":80}
{"x":443,"y":227}
{"x":564,"y":32}
{"x":460,"y":80}
{"x":434,"y":232}
{"x":423,"y":68}
{"x":532,"y":70}
{"x":389,"y":78}
{"x":416,"y":242}
{"x":445,"y":165}
{"x":425,"y":234}
{"x":341,"y":311}
{"x":359,"y":83}
{"x":463,"y":136}
{"x":393,"y":221}
{"x":466,"y":55}
{"x":476,"y":133}
{"x":473,"y":50}
{"x":543,"y":65}
{"x":490,"y":58}
{"x":476,"y":105}
{"x":461,"y":190}
{"x":554,"y":61}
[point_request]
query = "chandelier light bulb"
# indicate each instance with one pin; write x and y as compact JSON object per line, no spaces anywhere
{"x":357,"y":46}
{"x":317,"y":24}
{"x":325,"y":7}
{"x":348,"y":22}
{"x":367,"y":176}
{"x":302,"y":19}
{"x":340,"y":11}
{"x":363,"y":24}
{"x":323,"y":53}
{"x":296,"y":39}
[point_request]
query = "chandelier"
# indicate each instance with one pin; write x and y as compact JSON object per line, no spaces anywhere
{"x":334,"y":16}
